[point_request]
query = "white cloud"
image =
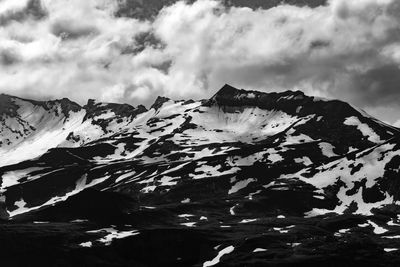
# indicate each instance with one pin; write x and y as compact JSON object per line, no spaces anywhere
{"x":327,"y":49}
{"x":76,"y":51}
{"x":11,"y":5}
{"x":397,"y":124}
{"x":346,"y":49}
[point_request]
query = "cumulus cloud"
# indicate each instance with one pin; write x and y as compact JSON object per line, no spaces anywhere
{"x":74,"y":51}
{"x":20,"y":10}
{"x":79,"y":49}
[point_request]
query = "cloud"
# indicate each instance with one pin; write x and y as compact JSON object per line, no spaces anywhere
{"x":8,"y":57}
{"x":397,"y":124}
{"x":76,"y":51}
{"x":67,"y":29}
{"x":345,"y":49}
{"x":80,"y":49}
{"x":20,"y":10}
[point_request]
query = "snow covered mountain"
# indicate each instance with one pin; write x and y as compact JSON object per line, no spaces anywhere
{"x":242,"y":178}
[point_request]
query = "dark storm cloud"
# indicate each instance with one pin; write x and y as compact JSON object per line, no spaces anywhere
{"x":319,"y":44}
{"x":33,"y":10}
{"x":377,"y":86}
{"x":8,"y":58}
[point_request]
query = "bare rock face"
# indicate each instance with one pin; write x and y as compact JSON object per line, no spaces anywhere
{"x":7,"y":106}
{"x":3,"y":209}
{"x":264,"y":179}
{"x":160,"y":100}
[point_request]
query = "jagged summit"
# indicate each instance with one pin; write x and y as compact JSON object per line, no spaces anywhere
{"x":94,"y":109}
{"x":160,"y":100}
{"x":66,"y":105}
{"x":229,"y":95}
{"x":227,"y":90}
{"x":292,"y":102}
{"x":9,"y":105}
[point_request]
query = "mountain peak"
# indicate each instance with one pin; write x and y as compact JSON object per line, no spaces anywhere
{"x":231,"y":96}
{"x":66,"y":105}
{"x":227,"y":90}
{"x":9,"y":106}
{"x":90,"y":103}
{"x":94,"y":109}
{"x":159,"y":102}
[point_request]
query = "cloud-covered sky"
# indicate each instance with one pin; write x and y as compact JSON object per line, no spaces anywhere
{"x":347,"y":49}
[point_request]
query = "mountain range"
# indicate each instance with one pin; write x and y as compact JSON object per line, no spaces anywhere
{"x":244,"y":178}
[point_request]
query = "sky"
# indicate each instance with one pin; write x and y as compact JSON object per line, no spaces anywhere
{"x":347,"y":49}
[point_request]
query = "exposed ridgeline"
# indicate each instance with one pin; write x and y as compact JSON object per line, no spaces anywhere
{"x":30,"y":128}
{"x":274,"y":174}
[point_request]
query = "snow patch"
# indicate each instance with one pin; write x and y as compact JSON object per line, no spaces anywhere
{"x":113,"y":234}
{"x":216,"y":260}
{"x":240,"y":185}
{"x":327,"y":149}
{"x":86,"y":244}
{"x":363,"y":128}
{"x":259,"y":250}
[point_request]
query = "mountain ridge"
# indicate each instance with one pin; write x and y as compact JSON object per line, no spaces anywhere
{"x":263,"y":170}
{"x":224,"y":91}
{"x":99,"y":119}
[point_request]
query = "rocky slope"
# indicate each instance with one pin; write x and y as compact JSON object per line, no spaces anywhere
{"x":241,"y":179}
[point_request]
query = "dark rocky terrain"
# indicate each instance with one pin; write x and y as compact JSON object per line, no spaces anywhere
{"x":241,"y":179}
